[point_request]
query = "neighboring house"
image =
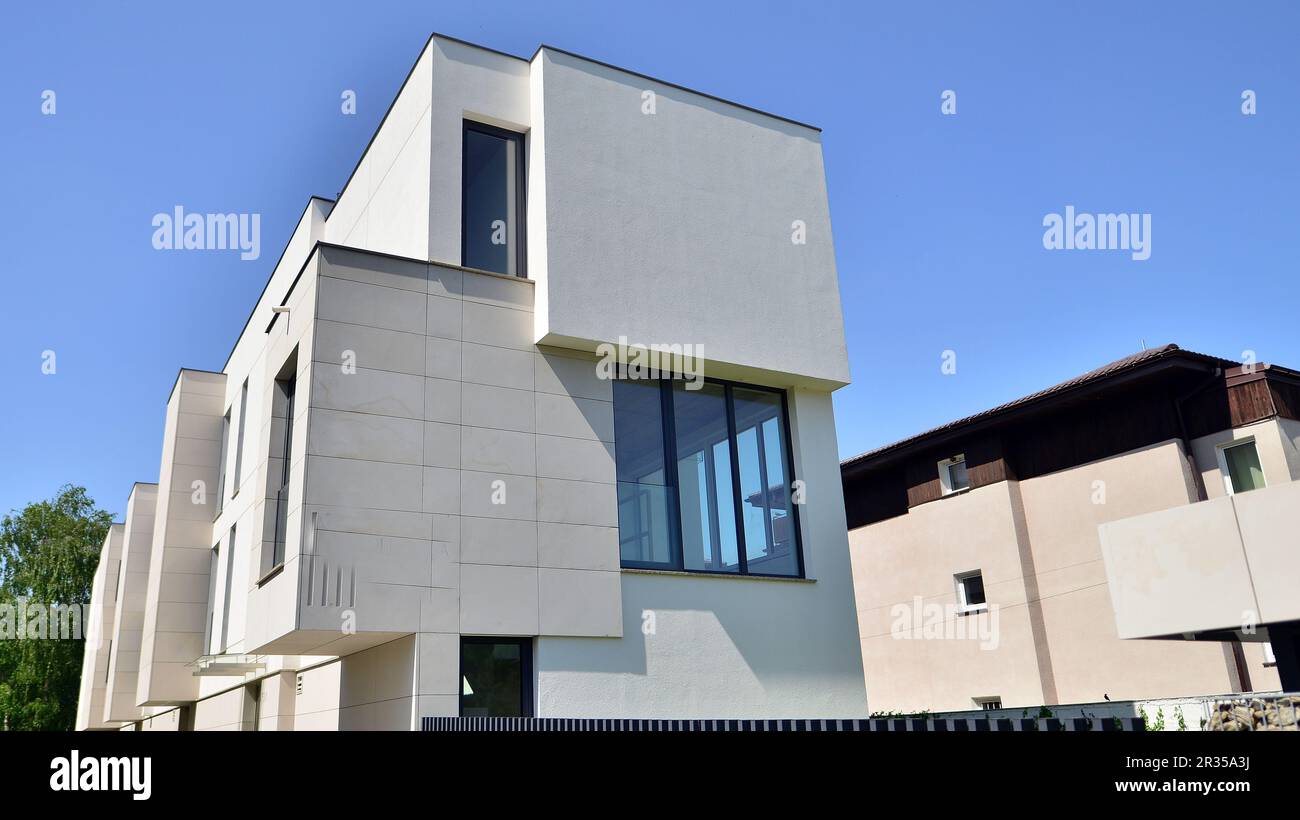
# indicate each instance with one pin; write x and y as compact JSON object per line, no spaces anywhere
{"x":411,"y":492}
{"x":995,"y":519}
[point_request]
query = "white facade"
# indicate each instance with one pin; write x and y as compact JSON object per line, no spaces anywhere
{"x":451,"y":466}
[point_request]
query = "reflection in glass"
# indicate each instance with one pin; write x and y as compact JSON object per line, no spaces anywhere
{"x":1244,"y":469}
{"x":492,"y":679}
{"x":957,"y":477}
{"x":644,"y":497}
{"x":767,"y":515}
{"x":704,"y":479}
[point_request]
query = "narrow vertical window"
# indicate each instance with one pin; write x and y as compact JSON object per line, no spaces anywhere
{"x":225,"y":604}
{"x":765,"y":491}
{"x":707,"y":508}
{"x":284,"y":396}
{"x":214,"y":561}
{"x":279,"y":466}
{"x":252,"y":707}
{"x":644,"y":495}
{"x":221,"y":469}
{"x":492,"y":200}
{"x":239,"y":438}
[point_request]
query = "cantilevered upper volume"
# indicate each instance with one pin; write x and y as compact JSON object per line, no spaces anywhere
{"x":710,"y":218}
{"x":414,"y":489}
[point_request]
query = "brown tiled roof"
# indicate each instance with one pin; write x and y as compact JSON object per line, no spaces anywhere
{"x":1104,"y":372}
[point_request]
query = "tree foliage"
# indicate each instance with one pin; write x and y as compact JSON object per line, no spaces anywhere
{"x":48,"y":554}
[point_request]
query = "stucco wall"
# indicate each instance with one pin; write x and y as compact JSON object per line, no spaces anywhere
{"x":730,"y":647}
{"x":676,"y":227}
{"x":1088,"y":658}
{"x":317,"y":707}
{"x":468,"y":84}
{"x":1275,"y":442}
{"x":918,"y":554}
{"x":224,"y":712}
{"x":385,"y":204}
{"x":1290,"y":432}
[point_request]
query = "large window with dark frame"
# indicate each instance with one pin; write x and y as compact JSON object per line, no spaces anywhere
{"x":704,"y":478}
{"x":492,"y":199}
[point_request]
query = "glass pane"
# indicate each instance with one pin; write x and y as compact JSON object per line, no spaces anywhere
{"x":214,"y":561}
{"x":492,"y":680}
{"x":768,"y":517}
{"x":704,"y":479}
{"x":239,"y":441}
{"x":974,"y":587}
{"x":490,"y":202}
{"x":644,"y":498}
{"x":957,"y":476}
{"x":221,"y":471}
{"x":1243,"y":467}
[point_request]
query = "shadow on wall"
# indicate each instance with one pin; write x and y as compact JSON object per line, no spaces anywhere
{"x":749,"y":632}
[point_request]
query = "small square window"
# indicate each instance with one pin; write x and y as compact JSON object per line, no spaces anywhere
{"x":496,"y":677}
{"x":952,"y":475}
{"x":988,"y":704}
{"x":970,"y":592}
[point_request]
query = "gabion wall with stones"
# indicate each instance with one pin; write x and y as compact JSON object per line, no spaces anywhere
{"x":1256,"y":715}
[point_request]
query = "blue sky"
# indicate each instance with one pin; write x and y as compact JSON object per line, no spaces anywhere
{"x":1109,"y":107}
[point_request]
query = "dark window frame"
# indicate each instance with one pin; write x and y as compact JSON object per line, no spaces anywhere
{"x":224,"y":644}
{"x":279,"y":543}
{"x":239,"y":439}
{"x":525,"y":668}
{"x":677,"y":562}
{"x":284,"y":389}
{"x":210,"y":616}
{"x":521,"y":195}
{"x":969,"y":607}
{"x":222,"y":465}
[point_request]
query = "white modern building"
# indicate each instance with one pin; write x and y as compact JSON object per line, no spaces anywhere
{"x":414,"y":490}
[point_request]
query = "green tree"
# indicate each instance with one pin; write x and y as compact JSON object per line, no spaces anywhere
{"x":48,"y":555}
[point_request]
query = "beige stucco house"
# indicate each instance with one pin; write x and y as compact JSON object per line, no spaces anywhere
{"x":1063,"y":547}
